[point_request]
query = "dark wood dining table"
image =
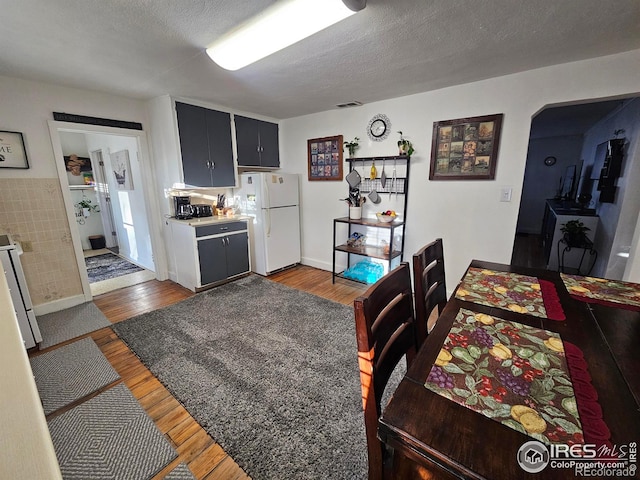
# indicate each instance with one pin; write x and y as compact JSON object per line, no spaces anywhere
{"x":449,"y":438}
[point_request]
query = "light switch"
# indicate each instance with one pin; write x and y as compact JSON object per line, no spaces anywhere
{"x":505,"y":194}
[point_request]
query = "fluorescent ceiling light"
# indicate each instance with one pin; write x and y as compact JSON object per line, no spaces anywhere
{"x":279,"y":26}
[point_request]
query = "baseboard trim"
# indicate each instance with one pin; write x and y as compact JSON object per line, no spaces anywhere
{"x":58,"y":305}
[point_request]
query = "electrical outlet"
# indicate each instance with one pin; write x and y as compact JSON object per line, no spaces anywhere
{"x":26,"y":246}
{"x":505,"y":194}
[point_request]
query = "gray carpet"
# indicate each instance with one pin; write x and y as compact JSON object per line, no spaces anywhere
{"x":109,"y":437}
{"x":181,"y":472}
{"x":270,"y":372}
{"x":106,"y":266}
{"x":70,"y":373}
{"x":58,"y":327}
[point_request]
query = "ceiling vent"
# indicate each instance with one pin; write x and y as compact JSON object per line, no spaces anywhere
{"x":349,"y":104}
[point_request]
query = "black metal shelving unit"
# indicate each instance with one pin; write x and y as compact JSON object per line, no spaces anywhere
{"x":400,"y":187}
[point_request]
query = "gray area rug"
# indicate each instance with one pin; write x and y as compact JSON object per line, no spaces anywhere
{"x":181,"y":472}
{"x":269,"y":371}
{"x":106,"y":266}
{"x":58,"y":327}
{"x":70,"y":373}
{"x":109,"y":437}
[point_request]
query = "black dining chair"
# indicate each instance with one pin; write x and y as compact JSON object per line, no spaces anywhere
{"x":385,"y":334}
{"x":430,"y":287}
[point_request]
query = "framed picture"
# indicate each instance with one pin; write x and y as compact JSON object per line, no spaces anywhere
{"x":325,"y":158}
{"x":12,"y":151}
{"x":465,"y":148}
{"x":77,"y":165}
{"x":122,"y":169}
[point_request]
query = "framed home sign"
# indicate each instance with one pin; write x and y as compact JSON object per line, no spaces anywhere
{"x":465,"y":148}
{"x":12,"y":151}
{"x":324,"y":157}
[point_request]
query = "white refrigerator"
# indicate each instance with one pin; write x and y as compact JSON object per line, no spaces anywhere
{"x":272,"y":200}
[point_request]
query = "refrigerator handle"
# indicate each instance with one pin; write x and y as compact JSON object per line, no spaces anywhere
{"x":267,"y":215}
{"x":265,"y":189}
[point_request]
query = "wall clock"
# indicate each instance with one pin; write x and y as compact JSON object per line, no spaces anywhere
{"x":379,"y":127}
{"x":550,"y":161}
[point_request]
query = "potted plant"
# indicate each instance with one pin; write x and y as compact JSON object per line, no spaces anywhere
{"x":405,"y":147}
{"x":352,"y":146}
{"x":87,"y":207}
{"x":575,"y":232}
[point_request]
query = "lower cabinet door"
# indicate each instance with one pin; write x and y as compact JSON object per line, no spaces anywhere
{"x":212,"y":254}
{"x":237,"y":254}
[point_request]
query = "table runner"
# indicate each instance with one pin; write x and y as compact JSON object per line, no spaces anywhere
{"x":511,"y":291}
{"x":612,"y":293}
{"x":512,"y":373}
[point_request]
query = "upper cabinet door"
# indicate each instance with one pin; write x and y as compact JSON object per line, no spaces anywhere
{"x":247,"y":138}
{"x":205,"y":142}
{"x":220,"y":148}
{"x":269,"y":146}
{"x":194,"y":144}
{"x":257,"y":143}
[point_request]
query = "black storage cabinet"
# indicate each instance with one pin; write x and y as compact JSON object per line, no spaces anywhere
{"x":205,"y":143}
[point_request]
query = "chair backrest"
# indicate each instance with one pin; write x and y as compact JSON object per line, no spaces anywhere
{"x":429,"y":284}
{"x":385,"y":333}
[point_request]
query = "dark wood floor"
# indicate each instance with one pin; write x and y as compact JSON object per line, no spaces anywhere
{"x":195,"y":447}
{"x":528,"y":252}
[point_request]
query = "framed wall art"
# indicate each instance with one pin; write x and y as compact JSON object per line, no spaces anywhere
{"x":77,"y":165}
{"x":325,"y":158}
{"x":12,"y":151}
{"x":465,"y":148}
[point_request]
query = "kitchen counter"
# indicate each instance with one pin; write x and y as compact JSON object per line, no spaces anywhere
{"x":198,"y":222}
{"x":26,"y":450}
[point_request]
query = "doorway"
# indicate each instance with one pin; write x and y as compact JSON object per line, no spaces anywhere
{"x":563,"y":139}
{"x":120,"y":222}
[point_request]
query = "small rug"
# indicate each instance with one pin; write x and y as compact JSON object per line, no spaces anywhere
{"x":269,"y":371}
{"x":70,"y":373}
{"x":109,"y":437}
{"x":181,"y":472}
{"x":106,"y":266}
{"x":58,"y":327}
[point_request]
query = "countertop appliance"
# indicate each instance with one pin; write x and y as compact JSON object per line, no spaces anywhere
{"x":272,"y":200}
{"x":182,"y":207}
{"x":201,"y":210}
{"x":10,"y":252}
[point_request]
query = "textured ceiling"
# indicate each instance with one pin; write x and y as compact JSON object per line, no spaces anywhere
{"x":146,"y":48}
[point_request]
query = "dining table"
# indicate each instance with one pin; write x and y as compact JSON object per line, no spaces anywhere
{"x":515,"y":357}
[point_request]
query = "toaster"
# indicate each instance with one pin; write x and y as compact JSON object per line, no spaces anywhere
{"x":201,"y":210}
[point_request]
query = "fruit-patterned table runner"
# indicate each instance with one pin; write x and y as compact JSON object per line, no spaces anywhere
{"x":613,"y":293}
{"x":511,"y":291}
{"x":512,"y":373}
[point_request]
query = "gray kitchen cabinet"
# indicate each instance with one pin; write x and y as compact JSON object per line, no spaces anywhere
{"x":205,"y":144}
{"x":206,"y":255}
{"x":257,"y":143}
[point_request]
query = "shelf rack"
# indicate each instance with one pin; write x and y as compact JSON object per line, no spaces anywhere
{"x":400,"y":187}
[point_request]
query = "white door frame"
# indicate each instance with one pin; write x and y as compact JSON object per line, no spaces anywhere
{"x":151,"y":203}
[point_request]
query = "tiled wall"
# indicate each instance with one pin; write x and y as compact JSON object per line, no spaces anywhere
{"x":32,"y":210}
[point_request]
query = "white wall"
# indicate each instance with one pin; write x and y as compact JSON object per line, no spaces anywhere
{"x":466,"y":214}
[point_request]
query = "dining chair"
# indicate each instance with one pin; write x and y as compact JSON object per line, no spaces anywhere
{"x":385,"y":333}
{"x":430,"y":287}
